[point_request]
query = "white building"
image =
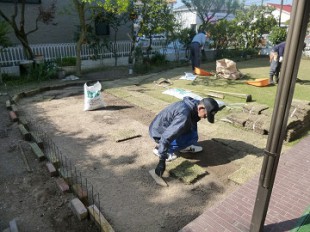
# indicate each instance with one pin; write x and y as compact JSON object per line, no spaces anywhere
{"x":189,"y":19}
{"x":186,"y":18}
{"x":281,"y":13}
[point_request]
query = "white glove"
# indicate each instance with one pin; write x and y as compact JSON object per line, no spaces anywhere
{"x":281,"y":59}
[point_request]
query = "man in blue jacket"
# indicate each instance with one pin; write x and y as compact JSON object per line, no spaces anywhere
{"x":175,"y":128}
{"x":276,"y":58}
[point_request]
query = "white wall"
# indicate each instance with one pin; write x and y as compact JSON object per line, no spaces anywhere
{"x":186,"y":18}
{"x":284,"y":16}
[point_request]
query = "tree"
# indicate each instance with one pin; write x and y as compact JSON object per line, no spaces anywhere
{"x":113,"y":12}
{"x":222,"y":33}
{"x":113,"y":6}
{"x":277,"y":35}
{"x":252,"y":22}
{"x":156,"y":17}
{"x":45,"y":15}
{"x":4,"y":40}
{"x":110,"y":7}
{"x":115,"y":21}
{"x":80,"y":7}
{"x":206,"y":9}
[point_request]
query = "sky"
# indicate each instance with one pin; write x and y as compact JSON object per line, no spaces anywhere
{"x":249,"y":2}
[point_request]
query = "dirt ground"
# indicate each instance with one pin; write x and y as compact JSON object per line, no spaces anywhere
{"x":130,"y":199}
{"x":32,"y":198}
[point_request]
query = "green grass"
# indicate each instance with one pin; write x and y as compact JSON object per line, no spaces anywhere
{"x":304,"y":222}
{"x":252,"y":69}
{"x":259,"y":68}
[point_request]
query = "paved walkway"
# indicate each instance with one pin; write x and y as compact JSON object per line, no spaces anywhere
{"x":290,"y":198}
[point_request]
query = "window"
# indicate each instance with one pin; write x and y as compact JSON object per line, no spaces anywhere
{"x":26,"y":1}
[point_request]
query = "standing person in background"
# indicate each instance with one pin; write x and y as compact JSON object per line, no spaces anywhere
{"x":276,"y":58}
{"x":196,"y":46}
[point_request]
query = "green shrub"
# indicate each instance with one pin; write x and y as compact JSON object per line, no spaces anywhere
{"x":158,"y":59}
{"x":9,"y":78}
{"x":229,"y":53}
{"x":141,"y":68}
{"x":250,"y":51}
{"x":236,"y":53}
{"x":277,"y":35}
{"x":43,"y":71}
{"x":66,"y":61}
{"x":46,"y":70}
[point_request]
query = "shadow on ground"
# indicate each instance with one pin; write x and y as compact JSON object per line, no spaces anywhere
{"x":222,"y":151}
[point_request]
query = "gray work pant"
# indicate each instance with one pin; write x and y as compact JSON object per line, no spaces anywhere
{"x":195,"y":54}
{"x":275,"y":68}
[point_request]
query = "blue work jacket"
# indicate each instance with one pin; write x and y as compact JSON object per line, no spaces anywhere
{"x":174,"y":120}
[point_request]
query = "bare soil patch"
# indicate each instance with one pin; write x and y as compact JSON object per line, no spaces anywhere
{"x":32,"y":198}
{"x":129,"y":197}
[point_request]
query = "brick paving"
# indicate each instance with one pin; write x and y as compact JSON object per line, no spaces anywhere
{"x":289,"y":200}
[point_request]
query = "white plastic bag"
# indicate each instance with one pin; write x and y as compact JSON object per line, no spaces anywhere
{"x":92,"y":97}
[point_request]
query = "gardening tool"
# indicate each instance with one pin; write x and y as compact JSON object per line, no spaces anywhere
{"x":216,"y":95}
{"x":158,"y":179}
{"x":247,"y":97}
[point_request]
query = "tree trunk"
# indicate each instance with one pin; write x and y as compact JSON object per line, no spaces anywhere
{"x":80,"y":7}
{"x":22,"y":37}
{"x":78,"y":64}
{"x":115,"y":48}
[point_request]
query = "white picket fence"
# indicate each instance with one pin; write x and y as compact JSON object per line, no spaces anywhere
{"x":12,"y":56}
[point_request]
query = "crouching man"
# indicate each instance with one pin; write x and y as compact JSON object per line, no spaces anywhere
{"x":175,"y":128}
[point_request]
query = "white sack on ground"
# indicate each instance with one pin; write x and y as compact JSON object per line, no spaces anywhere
{"x":92,"y":97}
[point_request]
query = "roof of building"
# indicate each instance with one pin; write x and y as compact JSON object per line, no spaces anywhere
{"x":180,"y":8}
{"x":287,"y":8}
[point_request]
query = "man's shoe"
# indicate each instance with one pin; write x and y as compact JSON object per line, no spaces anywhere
{"x":271,"y":82}
{"x":192,"y":149}
{"x":171,"y":156}
{"x":277,"y":80}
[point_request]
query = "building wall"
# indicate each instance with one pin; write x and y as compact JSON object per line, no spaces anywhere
{"x":62,"y":29}
{"x":188,"y":18}
{"x":285,"y":16}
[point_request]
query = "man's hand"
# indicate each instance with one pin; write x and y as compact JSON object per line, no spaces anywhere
{"x":271,"y":56}
{"x":161,"y":167}
{"x":281,"y":59}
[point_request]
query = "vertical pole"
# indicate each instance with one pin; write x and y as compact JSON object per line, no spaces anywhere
{"x":285,"y":91}
{"x":281,"y":9}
